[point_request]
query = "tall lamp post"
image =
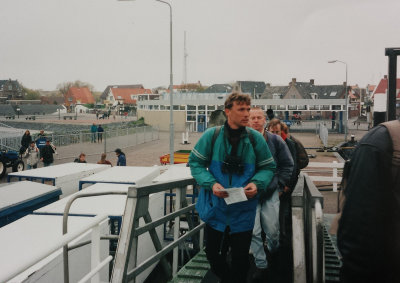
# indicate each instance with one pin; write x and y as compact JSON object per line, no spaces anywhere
{"x":171,"y":87}
{"x":346,"y":98}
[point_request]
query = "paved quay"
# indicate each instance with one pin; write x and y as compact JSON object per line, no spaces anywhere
{"x":148,"y":154}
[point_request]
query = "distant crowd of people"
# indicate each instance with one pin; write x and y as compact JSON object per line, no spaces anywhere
{"x":41,"y":149}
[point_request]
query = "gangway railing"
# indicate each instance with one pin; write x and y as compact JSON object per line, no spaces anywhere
{"x":31,"y":259}
{"x":126,"y":266}
{"x":308,"y":237}
{"x":96,"y":265}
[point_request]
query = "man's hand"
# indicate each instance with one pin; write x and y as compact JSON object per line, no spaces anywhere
{"x":250,"y":190}
{"x":219,"y":191}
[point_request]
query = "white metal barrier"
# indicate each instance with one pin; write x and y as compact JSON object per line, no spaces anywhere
{"x":329,"y":167}
{"x":30,"y":260}
{"x":308,"y":238}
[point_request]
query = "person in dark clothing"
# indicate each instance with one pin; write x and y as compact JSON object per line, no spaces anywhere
{"x":25,"y":141}
{"x":46,"y":154}
{"x":121,"y":157}
{"x":100,"y":132}
{"x":81,"y":158}
{"x":369,"y":228}
{"x":267,"y":215}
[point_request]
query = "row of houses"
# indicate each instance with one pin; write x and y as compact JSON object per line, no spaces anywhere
{"x":113,"y":95}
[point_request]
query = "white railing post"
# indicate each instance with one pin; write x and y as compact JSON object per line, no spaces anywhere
{"x":178,"y":201}
{"x":95,"y":252}
{"x":335,"y":171}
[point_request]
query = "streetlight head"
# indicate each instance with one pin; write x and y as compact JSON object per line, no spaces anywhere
{"x":332,"y":61}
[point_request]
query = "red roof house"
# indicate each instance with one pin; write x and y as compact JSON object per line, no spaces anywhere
{"x":383,"y":86}
{"x":76,"y":95}
{"x":127,"y":95}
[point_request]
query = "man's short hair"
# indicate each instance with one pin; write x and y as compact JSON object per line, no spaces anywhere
{"x":274,"y":122}
{"x":284,"y":128}
{"x":238,"y":97}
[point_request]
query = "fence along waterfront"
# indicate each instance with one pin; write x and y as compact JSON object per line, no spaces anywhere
{"x":69,"y":145}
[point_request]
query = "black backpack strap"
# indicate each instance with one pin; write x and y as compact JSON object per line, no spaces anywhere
{"x":214,"y":138}
{"x":251,"y":138}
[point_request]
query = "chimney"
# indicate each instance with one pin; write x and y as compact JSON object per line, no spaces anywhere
{"x":268,"y":85}
{"x":311,"y":81}
{"x":293,"y":80}
{"x":385,"y":77}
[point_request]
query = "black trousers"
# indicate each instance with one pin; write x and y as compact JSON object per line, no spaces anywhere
{"x":217,"y":246}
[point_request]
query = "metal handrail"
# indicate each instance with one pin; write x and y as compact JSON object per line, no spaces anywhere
{"x":65,"y":223}
{"x":308,"y":240}
{"x":30,"y":260}
{"x":137,"y":206}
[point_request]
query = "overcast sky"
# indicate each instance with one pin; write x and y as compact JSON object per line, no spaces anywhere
{"x":105,"y":42}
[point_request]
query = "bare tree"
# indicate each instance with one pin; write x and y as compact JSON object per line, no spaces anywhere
{"x":65,"y":86}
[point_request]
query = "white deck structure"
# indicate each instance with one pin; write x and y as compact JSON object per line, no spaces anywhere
{"x":174,"y":173}
{"x":29,"y":236}
{"x":65,"y":176}
{"x":21,"y":198}
{"x":114,"y":207}
{"x":132,"y":175}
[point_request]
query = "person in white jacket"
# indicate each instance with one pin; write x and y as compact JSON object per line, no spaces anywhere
{"x":32,"y":155}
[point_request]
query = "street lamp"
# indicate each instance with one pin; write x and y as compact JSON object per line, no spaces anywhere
{"x":18,"y":109}
{"x":171,"y":87}
{"x":346,"y":98}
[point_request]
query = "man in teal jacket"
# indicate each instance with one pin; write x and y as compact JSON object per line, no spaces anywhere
{"x":238,"y":157}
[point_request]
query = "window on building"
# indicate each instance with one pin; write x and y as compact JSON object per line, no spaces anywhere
{"x":336,"y":107}
{"x":211,"y":107}
{"x":276,"y":96}
{"x":191,"y":107}
{"x":292,"y":107}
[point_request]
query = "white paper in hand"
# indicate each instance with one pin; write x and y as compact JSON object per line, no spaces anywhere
{"x":235,"y":195}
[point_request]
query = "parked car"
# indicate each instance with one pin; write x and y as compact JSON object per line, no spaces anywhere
{"x":10,"y":158}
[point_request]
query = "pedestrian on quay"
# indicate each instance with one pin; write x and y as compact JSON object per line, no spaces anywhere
{"x":103,"y":159}
{"x":226,"y":158}
{"x":93,"y":130}
{"x":46,"y":154}
{"x":25,"y":141}
{"x":100,"y":132}
{"x":121,"y":157}
{"x":267,"y":215}
{"x":81,"y":158}
{"x":32,"y":155}
{"x":41,"y":139}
